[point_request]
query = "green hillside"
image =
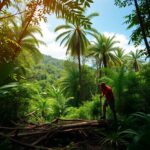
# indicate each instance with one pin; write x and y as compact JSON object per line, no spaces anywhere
{"x":56,"y":63}
{"x":48,"y":69}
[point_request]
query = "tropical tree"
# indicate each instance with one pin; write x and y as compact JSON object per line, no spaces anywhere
{"x":22,"y":47}
{"x":135,"y":60}
{"x":139,"y":18}
{"x":31,"y":13}
{"x":103,"y":50}
{"x":75,"y":38}
{"x":70,"y":83}
{"x":120,"y":53}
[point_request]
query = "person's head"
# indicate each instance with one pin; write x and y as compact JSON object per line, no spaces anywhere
{"x":102,"y":85}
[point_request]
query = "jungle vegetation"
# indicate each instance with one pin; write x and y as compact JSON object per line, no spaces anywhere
{"x":38,"y":88}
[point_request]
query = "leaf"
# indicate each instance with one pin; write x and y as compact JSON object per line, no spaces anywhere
{"x":90,"y":1}
{"x":10,"y":85}
{"x":5,"y":70}
{"x":87,"y":4}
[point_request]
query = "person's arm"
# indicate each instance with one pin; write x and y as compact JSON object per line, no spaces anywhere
{"x":101,"y":95}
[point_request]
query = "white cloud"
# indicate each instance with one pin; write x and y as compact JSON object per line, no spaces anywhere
{"x":53,"y":49}
{"x":123,"y":41}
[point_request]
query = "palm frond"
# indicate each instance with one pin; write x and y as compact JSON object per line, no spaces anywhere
{"x":62,"y":34}
{"x":63,"y":27}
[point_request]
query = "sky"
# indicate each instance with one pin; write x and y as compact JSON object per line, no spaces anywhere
{"x":109,"y":22}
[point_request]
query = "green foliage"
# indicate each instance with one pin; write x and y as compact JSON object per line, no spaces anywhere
{"x":88,"y":83}
{"x":69,"y":82}
{"x":6,"y":69}
{"x":141,"y":141}
{"x":89,"y":110}
{"x":145,"y":86}
{"x":127,"y":89}
{"x":5,"y":144}
{"x":138,"y":20}
{"x":7,"y":44}
{"x":114,"y":140}
{"x":135,"y":61}
{"x":14,"y":103}
{"x":48,"y":90}
{"x":72,"y":11}
{"x":47,"y":71}
{"x":61,"y":101}
{"x":140,"y":123}
{"x":102,"y":50}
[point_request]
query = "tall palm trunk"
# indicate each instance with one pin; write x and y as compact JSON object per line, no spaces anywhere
{"x":80,"y":76}
{"x":104,"y":61}
{"x":136,"y":66}
{"x":99,"y":69}
{"x":142,"y":26}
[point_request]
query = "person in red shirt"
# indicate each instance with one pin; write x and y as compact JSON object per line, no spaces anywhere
{"x":109,"y":99}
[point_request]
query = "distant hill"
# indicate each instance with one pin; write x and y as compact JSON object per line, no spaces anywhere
{"x":49,"y":69}
{"x":58,"y":63}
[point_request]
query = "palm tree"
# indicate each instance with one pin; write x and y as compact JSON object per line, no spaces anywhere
{"x":103,"y":50}
{"x":28,"y":42}
{"x":75,"y":39}
{"x":134,"y":59}
{"x":70,"y":83}
{"x":43,"y":107}
{"x":120,"y":53}
{"x":60,"y":105}
{"x":17,"y":43}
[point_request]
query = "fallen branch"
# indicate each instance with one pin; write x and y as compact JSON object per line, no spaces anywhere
{"x":46,"y":133}
{"x":26,"y":144}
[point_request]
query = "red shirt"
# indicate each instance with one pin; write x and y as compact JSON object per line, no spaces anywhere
{"x":107,"y":92}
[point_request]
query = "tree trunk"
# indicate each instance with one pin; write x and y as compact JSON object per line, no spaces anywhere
{"x":142,"y":27}
{"x":104,"y":61}
{"x":80,"y":76}
{"x":27,"y":23}
{"x":2,"y":4}
{"x":148,"y":8}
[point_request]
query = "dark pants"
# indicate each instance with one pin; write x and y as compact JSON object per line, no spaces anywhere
{"x":111,"y":104}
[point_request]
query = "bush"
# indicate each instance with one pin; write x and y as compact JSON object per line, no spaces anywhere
{"x":89,"y":110}
{"x":14,"y":102}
